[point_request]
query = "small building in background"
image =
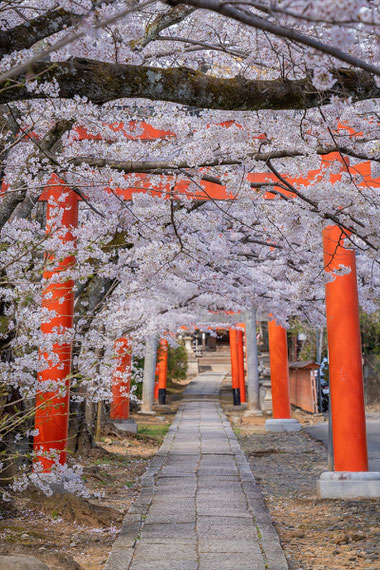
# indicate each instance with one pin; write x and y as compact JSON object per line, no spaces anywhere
{"x":303,"y":385}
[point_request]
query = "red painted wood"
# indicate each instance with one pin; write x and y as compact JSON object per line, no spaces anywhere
{"x":121,"y":381}
{"x":52,"y":407}
{"x":345,"y":357}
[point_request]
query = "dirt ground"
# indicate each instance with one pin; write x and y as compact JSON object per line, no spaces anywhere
{"x":315,"y":534}
{"x":70,"y":533}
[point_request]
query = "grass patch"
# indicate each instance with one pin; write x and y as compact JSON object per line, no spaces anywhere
{"x":156,"y":432}
{"x":105,"y":461}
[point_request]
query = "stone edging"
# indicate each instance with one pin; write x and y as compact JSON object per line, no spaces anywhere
{"x":123,"y":548}
{"x":266,"y":533}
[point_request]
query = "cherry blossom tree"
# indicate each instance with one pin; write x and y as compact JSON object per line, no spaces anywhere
{"x":248,"y":98}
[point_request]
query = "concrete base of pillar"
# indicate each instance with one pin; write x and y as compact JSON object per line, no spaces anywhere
{"x":256,"y":413}
{"x":146,"y":412}
{"x":280,"y":425}
{"x":349,"y":485}
{"x":162,"y":408}
{"x":125,"y":425}
{"x":239,"y":408}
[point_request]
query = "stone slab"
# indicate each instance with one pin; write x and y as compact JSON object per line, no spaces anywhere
{"x":349,"y":485}
{"x":247,"y":547}
{"x":163,"y":565}
{"x":224,"y":528}
{"x":149,"y":550}
{"x":275,"y":425}
{"x":119,"y":559}
{"x":125,"y":425}
{"x":228,"y":561}
{"x":173,"y":531}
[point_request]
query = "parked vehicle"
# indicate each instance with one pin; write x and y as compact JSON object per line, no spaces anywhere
{"x":324,"y":385}
{"x":325,"y":395}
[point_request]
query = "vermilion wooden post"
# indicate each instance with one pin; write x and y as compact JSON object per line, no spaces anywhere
{"x":121,"y":381}
{"x":279,"y":371}
{"x":155,"y":393}
{"x":162,"y":367}
{"x":234,"y":367}
{"x":240,"y":354}
{"x":52,"y":407}
{"x":345,"y":356}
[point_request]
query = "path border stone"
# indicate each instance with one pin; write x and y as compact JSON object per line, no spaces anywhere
{"x":122,"y":551}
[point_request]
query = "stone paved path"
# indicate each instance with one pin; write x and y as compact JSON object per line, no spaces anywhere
{"x":199,"y":506}
{"x":206,"y":384}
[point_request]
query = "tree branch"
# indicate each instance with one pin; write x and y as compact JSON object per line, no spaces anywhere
{"x":129,"y":166}
{"x":160,"y":166}
{"x":254,"y":21}
{"x":101,"y":82}
{"x":162,"y":22}
{"x":24,"y":36}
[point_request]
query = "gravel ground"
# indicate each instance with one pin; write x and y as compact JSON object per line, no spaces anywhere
{"x":315,"y":534}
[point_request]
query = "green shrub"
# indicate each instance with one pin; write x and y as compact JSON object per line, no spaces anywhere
{"x":177,"y":362}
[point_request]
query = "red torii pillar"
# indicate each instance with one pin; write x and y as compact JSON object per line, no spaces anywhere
{"x":240,"y":355}
{"x":155,"y":393}
{"x":121,"y":381}
{"x":235,"y":367}
{"x":52,"y":405}
{"x":279,"y":374}
{"x":162,"y":371}
{"x":121,"y":386}
{"x":351,"y":478}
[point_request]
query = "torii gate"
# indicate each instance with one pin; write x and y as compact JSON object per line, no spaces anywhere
{"x":346,"y":380}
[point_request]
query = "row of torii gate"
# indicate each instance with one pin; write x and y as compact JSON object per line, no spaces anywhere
{"x":351,"y":474}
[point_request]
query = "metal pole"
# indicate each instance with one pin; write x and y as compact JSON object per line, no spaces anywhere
{"x":149,"y":374}
{"x":330,"y":443}
{"x":253,"y":384}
